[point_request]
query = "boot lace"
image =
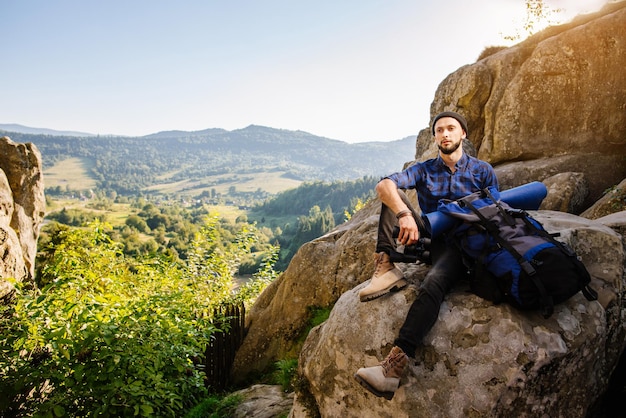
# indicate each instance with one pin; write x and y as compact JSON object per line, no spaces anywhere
{"x":394,"y":363}
{"x":380,"y":265}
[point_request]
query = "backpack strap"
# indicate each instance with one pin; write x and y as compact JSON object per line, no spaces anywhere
{"x":494,"y":231}
{"x":505,"y":214}
{"x":547,"y":304}
{"x":589,"y":293}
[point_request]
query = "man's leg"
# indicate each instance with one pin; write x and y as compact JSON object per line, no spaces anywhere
{"x":447,"y":269}
{"x":387,"y":277}
{"x":384,"y":379}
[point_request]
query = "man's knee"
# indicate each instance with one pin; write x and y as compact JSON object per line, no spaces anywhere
{"x":435,"y":283}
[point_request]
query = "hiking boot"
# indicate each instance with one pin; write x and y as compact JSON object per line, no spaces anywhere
{"x":387,"y":278}
{"x":383,"y":380}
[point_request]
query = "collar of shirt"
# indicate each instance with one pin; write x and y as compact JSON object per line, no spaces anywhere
{"x":461,"y":164}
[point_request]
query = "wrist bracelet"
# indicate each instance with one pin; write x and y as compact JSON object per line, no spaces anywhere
{"x":403,"y":213}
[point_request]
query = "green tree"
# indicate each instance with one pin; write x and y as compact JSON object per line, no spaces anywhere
{"x":137,"y":222}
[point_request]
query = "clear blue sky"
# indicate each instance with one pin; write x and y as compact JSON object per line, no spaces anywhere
{"x":353,"y":70}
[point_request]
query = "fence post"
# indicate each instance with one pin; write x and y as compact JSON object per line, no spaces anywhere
{"x":220,"y":353}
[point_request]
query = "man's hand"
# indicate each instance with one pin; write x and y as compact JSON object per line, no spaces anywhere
{"x":388,"y":194}
{"x":409,"y":233}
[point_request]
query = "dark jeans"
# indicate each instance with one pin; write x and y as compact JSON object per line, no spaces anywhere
{"x":446,"y":270}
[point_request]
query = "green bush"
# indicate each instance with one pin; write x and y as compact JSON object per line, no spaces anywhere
{"x":215,"y":407}
{"x":285,"y":372}
{"x":113,"y":336}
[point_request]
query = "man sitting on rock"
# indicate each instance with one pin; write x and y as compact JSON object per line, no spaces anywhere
{"x":452,"y":175}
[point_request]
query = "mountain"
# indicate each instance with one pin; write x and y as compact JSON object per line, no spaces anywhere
{"x":13,"y":127}
{"x":130,"y":165}
{"x":178,"y":134}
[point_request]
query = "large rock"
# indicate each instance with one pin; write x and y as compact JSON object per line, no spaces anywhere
{"x":566,"y":192}
{"x":613,"y":200}
{"x":541,"y":111}
{"x":479,"y":359}
{"x":600,"y":172}
{"x":558,"y":93}
{"x":22,"y":208}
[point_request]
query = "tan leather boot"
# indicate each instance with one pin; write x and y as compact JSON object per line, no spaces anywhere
{"x":383,"y":380}
{"x":387,"y":278}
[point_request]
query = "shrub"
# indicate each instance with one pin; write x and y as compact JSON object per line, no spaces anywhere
{"x":215,"y":407}
{"x":113,"y":336}
{"x":285,"y":373}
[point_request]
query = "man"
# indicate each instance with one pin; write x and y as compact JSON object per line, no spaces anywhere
{"x":452,"y":175}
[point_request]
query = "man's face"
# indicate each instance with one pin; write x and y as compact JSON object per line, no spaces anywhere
{"x":448,"y":135}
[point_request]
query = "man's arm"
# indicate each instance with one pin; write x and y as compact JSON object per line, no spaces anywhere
{"x":388,"y":193}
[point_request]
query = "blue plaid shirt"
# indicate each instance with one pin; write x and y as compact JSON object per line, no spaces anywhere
{"x":433,"y":180}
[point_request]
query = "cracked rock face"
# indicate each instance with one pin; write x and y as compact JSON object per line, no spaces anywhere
{"x":22,"y":208}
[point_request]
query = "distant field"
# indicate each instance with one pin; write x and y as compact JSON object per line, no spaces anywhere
{"x":271,"y":182}
{"x":72,"y":173}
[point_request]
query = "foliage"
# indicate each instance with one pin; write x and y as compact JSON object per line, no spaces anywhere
{"x":356,"y":206}
{"x":115,"y":336}
{"x":341,"y":198}
{"x":538,"y":16}
{"x":318,"y":315}
{"x":285,"y":373}
{"x":339,"y":195}
{"x":261,"y":279}
{"x":146,"y":229}
{"x":215,"y":407}
{"x":616,"y":198}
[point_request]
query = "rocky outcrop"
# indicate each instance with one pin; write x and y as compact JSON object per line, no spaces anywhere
{"x":557,"y":97}
{"x":479,"y":359}
{"x":599,"y":172}
{"x":22,"y":208}
{"x":614,"y":198}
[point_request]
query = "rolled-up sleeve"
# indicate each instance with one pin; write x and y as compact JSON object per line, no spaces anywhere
{"x":408,"y":178}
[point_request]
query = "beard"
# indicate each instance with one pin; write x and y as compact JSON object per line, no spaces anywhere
{"x":449,"y":149}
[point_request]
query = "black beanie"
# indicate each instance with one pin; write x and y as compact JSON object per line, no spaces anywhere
{"x":454,"y":115}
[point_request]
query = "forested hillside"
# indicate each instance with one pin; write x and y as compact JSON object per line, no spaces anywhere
{"x":206,"y":169}
{"x":340,"y":196}
{"x":129,"y":165}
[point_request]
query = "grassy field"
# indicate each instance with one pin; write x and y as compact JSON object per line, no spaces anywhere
{"x":72,"y":173}
{"x":271,"y":182}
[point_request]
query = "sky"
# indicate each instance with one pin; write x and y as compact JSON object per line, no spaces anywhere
{"x":352,"y":70}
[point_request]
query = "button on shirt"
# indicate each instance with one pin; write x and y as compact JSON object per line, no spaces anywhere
{"x":434,"y":180}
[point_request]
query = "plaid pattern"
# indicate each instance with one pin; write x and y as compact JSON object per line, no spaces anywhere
{"x":433,"y":180}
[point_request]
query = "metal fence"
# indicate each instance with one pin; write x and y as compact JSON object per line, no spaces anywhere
{"x":220,"y":354}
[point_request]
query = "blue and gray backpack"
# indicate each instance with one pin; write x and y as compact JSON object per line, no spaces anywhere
{"x":511,"y":257}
